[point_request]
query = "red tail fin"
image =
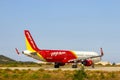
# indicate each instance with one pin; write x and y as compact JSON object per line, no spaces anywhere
{"x":30,"y":44}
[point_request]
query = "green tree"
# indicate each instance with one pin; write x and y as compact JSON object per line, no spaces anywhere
{"x":80,"y":74}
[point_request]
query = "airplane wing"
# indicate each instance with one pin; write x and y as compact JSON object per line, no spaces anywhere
{"x":85,"y":58}
{"x":101,"y":54}
{"x":101,"y":51}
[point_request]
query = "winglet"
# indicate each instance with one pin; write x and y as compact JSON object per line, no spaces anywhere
{"x":101,"y":51}
{"x":17,"y":51}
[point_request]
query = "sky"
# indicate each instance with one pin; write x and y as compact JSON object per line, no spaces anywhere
{"x":81,"y":25}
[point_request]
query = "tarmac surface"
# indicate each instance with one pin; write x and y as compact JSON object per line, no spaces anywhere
{"x":110,"y":69}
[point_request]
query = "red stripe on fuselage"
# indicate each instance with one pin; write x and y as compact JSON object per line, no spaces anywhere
{"x":62,"y":56}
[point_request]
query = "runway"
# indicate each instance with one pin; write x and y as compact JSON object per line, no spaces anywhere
{"x":110,"y":69}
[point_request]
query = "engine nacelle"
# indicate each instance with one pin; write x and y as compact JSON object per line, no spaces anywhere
{"x":87,"y":62}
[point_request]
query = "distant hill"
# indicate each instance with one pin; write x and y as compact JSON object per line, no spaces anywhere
{"x":4,"y":59}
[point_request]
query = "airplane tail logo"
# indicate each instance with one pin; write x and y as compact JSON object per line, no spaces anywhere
{"x":30,"y":43}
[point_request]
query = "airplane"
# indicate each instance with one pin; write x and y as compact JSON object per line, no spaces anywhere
{"x":59,"y":57}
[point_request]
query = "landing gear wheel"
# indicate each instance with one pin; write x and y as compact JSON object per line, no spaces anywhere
{"x":93,"y":66}
{"x":56,"y":65}
{"x":74,"y":66}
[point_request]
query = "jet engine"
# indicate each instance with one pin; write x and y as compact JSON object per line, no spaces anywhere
{"x":87,"y":62}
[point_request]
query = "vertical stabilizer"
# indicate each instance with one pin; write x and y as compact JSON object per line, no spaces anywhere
{"x":30,"y":43}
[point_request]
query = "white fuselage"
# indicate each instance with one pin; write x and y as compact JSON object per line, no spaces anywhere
{"x":84,"y":55}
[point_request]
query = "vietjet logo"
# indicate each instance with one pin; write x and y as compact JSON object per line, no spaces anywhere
{"x":30,"y":40}
{"x":57,"y":53}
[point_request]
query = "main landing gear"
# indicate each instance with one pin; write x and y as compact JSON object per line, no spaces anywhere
{"x":57,"y":65}
{"x":74,"y":65}
{"x":93,"y":66}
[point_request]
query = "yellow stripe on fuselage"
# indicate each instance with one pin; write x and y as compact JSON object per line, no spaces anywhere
{"x":74,"y":54}
{"x":41,"y":57}
{"x":28,"y":46}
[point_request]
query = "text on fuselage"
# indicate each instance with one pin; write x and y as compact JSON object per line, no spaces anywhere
{"x":57,"y":53}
